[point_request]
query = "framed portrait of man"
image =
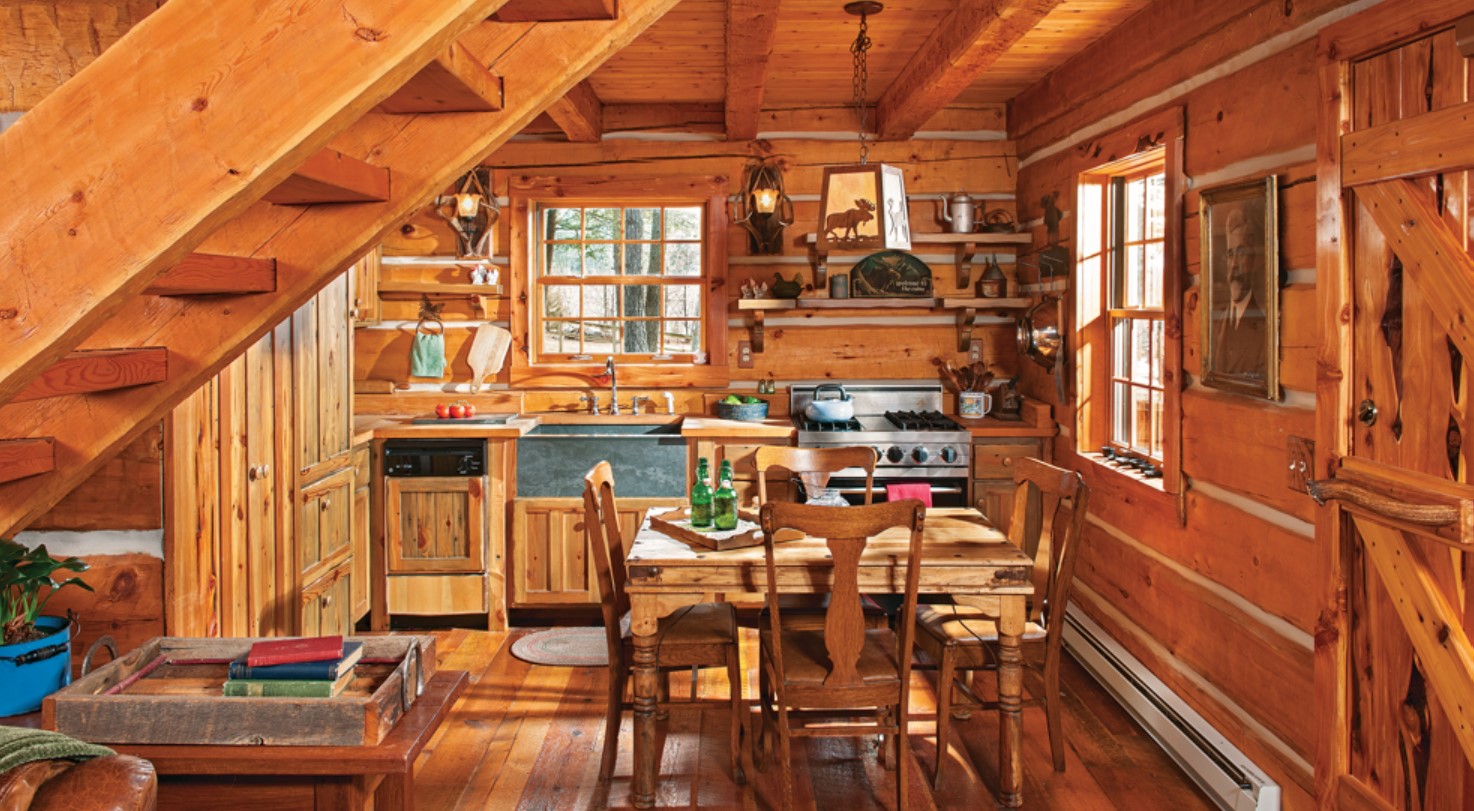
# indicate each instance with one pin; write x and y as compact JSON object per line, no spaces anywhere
{"x":1239,"y":285}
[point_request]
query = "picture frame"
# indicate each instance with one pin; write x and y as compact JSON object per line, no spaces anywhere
{"x":1239,"y":287}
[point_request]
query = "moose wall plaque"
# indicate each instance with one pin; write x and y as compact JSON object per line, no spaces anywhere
{"x":863,"y":208}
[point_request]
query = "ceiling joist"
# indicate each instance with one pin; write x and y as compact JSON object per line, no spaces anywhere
{"x":752,"y":25}
{"x":967,"y":42}
{"x":579,"y":114}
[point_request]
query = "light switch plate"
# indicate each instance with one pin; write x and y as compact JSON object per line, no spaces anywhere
{"x":744,"y":354}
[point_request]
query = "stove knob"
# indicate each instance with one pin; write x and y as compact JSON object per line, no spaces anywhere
{"x":895,"y":454}
{"x":949,"y":454}
{"x":920,"y":454}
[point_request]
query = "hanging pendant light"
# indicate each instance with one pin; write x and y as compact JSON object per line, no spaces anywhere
{"x":863,"y":206}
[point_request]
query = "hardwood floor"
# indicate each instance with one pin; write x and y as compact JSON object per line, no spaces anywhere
{"x":529,"y":737}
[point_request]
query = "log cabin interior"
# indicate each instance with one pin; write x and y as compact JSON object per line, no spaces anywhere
{"x":235,"y":277}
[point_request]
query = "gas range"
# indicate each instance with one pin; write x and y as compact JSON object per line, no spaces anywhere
{"x":902,"y":422}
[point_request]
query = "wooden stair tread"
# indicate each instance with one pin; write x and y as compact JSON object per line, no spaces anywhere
{"x":330,"y":176}
{"x":529,"y":11}
{"x":210,"y":273}
{"x":94,"y":370}
{"x":20,"y":458}
{"x":454,"y":82}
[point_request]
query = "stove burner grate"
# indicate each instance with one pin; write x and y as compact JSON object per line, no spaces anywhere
{"x":922,"y":421}
{"x":851,"y":424}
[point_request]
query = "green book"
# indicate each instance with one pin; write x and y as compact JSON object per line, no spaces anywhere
{"x":289,"y":688}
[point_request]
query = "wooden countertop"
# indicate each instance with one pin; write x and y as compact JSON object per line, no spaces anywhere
{"x":400,"y":426}
{"x":711,"y":426}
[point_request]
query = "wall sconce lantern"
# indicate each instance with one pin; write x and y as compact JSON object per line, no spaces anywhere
{"x":472,"y":212}
{"x":763,"y":208}
{"x":863,"y":206}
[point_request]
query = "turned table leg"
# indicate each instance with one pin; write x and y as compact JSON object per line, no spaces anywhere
{"x":646,"y":688}
{"x":1010,"y":703}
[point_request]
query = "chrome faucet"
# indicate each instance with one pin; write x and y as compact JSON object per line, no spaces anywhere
{"x":613,"y":386}
{"x":636,"y":401}
{"x":592,"y":398}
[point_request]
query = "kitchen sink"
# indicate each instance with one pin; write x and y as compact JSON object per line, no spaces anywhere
{"x":649,"y":460}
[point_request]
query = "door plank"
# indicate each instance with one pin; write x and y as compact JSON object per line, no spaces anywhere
{"x":1433,"y":141}
{"x":1435,"y":628}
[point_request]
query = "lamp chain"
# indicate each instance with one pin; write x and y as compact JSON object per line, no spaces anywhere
{"x":862,"y":79}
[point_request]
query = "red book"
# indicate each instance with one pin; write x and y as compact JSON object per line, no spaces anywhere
{"x":301,"y":649}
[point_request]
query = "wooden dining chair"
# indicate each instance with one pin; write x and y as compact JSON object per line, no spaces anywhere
{"x":842,"y":679}
{"x":813,"y":467}
{"x":1048,"y":513}
{"x":703,"y":635}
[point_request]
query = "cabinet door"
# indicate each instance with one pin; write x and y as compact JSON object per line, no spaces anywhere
{"x":365,"y":275}
{"x":323,"y":535}
{"x":323,"y":346}
{"x":327,"y":604}
{"x":436,"y":524}
{"x":550,"y":559}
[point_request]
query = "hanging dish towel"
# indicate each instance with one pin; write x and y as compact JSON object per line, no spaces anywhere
{"x":488,"y":352}
{"x":897,"y":491}
{"x":427,"y":356}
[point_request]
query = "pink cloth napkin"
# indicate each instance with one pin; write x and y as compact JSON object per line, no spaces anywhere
{"x":897,"y":491}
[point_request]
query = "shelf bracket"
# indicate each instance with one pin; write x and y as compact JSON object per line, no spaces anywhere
{"x":965,"y":318}
{"x":965,"y":252}
{"x":820,"y":260}
{"x":757,"y":331}
{"x":481,"y":305}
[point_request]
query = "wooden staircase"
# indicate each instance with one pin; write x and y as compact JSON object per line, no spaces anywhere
{"x":204,"y":220}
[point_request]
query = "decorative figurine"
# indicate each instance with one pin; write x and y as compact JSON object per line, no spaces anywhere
{"x":782,"y":288}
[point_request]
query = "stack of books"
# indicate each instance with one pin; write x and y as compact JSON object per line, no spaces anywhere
{"x":309,"y":667}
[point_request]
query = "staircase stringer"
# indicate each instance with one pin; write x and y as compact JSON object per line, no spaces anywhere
{"x":129,"y":165}
{"x":310,"y":246}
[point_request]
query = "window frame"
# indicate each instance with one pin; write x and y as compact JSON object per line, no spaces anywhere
{"x":1128,"y":153}
{"x":527,"y":194}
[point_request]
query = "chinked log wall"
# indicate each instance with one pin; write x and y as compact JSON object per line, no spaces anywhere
{"x":842,"y":345}
{"x":1218,"y":604}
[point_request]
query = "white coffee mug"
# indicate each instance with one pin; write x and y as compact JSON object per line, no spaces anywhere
{"x":974,"y":404}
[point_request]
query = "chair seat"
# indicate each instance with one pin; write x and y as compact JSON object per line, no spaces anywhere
{"x":692,"y":627}
{"x":962,"y":625}
{"x":806,"y":659}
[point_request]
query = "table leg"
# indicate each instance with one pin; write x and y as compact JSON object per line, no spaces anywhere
{"x":646,"y":687}
{"x":395,"y":793}
{"x":1010,"y":703}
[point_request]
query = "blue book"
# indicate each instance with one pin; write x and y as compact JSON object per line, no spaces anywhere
{"x":326,"y":670}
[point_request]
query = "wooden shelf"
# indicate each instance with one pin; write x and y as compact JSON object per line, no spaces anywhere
{"x":967,"y":310}
{"x":965,"y":248}
{"x":477,"y":293}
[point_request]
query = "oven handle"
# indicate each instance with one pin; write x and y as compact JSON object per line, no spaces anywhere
{"x":860,"y":491}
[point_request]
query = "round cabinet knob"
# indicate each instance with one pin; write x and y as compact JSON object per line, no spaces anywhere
{"x":895,"y":454}
{"x":920,"y":454}
{"x":949,"y":454}
{"x":253,"y":472}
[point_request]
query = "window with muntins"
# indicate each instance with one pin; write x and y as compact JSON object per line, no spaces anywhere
{"x":619,"y":278}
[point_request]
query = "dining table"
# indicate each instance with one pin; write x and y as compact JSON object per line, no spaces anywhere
{"x":962,"y":555}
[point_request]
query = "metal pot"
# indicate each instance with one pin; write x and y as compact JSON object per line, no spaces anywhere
{"x":1038,"y":332}
{"x":832,"y":410}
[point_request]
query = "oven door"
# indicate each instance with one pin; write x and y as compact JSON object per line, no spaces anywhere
{"x":944,"y":492}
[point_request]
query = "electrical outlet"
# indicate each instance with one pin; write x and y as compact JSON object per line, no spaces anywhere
{"x":1301,"y":456}
{"x":974,"y":351}
{"x":744,"y":354}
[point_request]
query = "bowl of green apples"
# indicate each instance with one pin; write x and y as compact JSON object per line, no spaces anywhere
{"x":742,"y":407}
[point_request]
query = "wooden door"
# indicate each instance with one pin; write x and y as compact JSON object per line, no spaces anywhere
{"x":1394,"y":665}
{"x":323,"y":354}
{"x":436,"y":524}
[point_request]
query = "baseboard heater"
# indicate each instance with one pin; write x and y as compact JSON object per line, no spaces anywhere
{"x":1217,"y":766}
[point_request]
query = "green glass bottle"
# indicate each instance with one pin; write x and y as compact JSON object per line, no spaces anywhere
{"x":701,"y":497}
{"x":724,"y":503}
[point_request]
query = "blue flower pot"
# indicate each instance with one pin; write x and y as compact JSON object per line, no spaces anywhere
{"x":31,"y":671}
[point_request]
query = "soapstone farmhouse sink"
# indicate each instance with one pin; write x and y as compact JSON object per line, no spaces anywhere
{"x":649,"y":460}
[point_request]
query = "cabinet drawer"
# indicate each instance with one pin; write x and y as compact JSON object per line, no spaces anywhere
{"x":994,"y":460}
{"x":327,"y":603}
{"x":324,"y":520}
{"x":432,"y":594}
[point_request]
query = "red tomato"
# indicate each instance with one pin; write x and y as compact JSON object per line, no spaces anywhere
{"x":470,"y":410}
{"x":442,"y":410}
{"x":457,"y":411}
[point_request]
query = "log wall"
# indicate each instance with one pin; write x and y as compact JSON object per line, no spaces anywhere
{"x":840,"y":344}
{"x":1210,"y":589}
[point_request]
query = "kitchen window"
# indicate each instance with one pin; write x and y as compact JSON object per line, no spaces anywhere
{"x":1127,"y":236}
{"x":622,"y":280}
{"x":633,"y":269}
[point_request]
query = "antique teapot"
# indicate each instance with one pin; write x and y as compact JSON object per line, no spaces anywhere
{"x":957,"y":212}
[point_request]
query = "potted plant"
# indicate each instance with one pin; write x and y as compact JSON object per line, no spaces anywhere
{"x":35,"y":657}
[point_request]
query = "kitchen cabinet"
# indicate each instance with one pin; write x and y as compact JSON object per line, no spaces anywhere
{"x":992,"y":473}
{"x":551,"y":563}
{"x":322,"y":354}
{"x":365,"y":289}
{"x":327,"y":604}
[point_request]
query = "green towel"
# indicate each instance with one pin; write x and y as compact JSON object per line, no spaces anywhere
{"x":427,"y":357}
{"x":20,"y":745}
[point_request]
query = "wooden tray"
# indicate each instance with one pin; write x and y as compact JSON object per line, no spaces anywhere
{"x":168,"y":691}
{"x":677,"y":524}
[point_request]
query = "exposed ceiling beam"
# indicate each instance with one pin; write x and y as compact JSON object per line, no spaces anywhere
{"x":968,"y":42}
{"x":579,"y":114}
{"x":185,"y":147}
{"x":311,"y":245}
{"x":752,"y":25}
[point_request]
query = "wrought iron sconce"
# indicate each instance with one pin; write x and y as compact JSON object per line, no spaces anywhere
{"x":472,"y":212}
{"x":763,"y":208}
